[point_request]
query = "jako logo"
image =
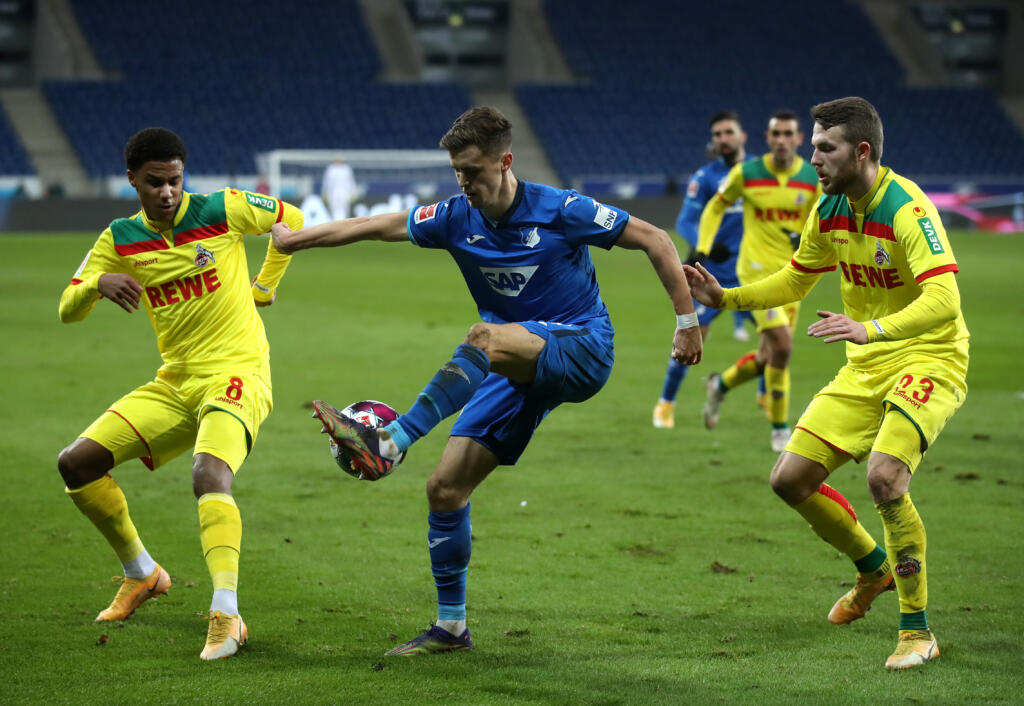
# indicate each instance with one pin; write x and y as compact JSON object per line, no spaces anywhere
{"x":508,"y":281}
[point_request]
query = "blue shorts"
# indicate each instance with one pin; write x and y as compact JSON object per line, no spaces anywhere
{"x":573,"y":365}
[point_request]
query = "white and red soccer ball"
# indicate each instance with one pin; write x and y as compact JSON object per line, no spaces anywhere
{"x":369,"y":413}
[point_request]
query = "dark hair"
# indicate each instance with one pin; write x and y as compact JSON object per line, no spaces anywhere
{"x":858,"y":118}
{"x":154,"y":144}
{"x":725,"y":115}
{"x":483,"y":127}
{"x":785,"y":114}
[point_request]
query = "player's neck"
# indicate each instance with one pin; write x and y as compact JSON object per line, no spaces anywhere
{"x":860,"y":188}
{"x":783,"y":166}
{"x":505,"y":199}
{"x":737,"y":157}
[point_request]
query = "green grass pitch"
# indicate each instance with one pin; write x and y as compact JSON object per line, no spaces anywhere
{"x":646,"y":566}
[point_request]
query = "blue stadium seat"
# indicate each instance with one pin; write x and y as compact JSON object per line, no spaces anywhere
{"x":655,"y":71}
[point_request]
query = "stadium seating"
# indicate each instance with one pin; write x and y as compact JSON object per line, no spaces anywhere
{"x":13,"y":158}
{"x":280,"y":75}
{"x":656,"y":70}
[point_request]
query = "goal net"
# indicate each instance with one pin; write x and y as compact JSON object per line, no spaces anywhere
{"x":297,"y":174}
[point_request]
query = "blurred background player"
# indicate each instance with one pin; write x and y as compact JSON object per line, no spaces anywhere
{"x":726,"y":149}
{"x":907,"y":354}
{"x":339,"y":188}
{"x":182,"y":255}
{"x":523,"y":250}
{"x":779,"y":189}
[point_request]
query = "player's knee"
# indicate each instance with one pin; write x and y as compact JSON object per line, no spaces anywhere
{"x":78,"y":468}
{"x":888,"y":478}
{"x":210,"y":475}
{"x":790,"y":484}
{"x":442,"y":496}
{"x":479,"y":335}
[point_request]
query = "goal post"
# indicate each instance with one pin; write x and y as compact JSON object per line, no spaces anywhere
{"x":297,"y":173}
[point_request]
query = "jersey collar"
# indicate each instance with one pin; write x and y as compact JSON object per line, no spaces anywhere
{"x":182,"y":210}
{"x":870,"y":200}
{"x":769,"y":164}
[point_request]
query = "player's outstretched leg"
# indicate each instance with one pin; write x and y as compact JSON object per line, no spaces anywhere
{"x":450,"y":542}
{"x":104,"y":503}
{"x":716,"y":393}
{"x":372,"y":451}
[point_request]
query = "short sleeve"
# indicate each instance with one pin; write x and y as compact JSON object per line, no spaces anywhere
{"x":428,"y":225}
{"x":589,"y":222}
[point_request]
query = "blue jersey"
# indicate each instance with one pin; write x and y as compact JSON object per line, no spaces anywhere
{"x":532,"y":265}
{"x":702,"y":187}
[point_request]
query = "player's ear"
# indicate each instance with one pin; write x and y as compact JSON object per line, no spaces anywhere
{"x":863,"y":151}
{"x":506,"y":160}
{"x":131,"y":177}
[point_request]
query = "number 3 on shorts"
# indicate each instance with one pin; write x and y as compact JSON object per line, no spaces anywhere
{"x":234,"y":391}
{"x":906,"y":381}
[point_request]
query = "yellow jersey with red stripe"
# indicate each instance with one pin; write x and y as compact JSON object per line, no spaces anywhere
{"x":195,"y":278}
{"x":775,"y":202}
{"x":885,"y":245}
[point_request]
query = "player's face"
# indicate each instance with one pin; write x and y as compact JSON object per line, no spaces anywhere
{"x":783,"y":137}
{"x":728,"y":139}
{"x":159,"y":185}
{"x":834,"y":159}
{"x":480,"y":175}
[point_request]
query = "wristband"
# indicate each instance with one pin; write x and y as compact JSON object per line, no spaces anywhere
{"x":257,"y":285}
{"x":685,"y":321}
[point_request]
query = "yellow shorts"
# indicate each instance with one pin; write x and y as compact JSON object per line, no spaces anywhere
{"x":777,"y":316}
{"x":849,"y":414}
{"x":165,"y":417}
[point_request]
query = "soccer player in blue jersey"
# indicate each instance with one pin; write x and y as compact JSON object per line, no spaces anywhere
{"x":728,"y":141}
{"x":545,"y":335}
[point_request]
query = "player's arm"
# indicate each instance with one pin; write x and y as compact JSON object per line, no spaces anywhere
{"x":264,"y":286}
{"x":714,"y":209}
{"x":938,"y":303}
{"x":656,"y":243}
{"x":95,"y":279}
{"x":386,"y":227}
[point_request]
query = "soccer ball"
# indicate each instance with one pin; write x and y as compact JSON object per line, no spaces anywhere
{"x":370,"y":413}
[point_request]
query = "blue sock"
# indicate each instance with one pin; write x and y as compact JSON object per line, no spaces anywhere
{"x":447,"y":393}
{"x":450,"y":539}
{"x":674,"y":377}
{"x":761,"y":389}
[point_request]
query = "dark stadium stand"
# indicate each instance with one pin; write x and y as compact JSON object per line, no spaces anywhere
{"x":278,"y":75}
{"x":656,"y":70}
{"x":13,"y":158}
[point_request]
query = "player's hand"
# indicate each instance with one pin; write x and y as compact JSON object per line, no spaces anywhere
{"x":280,"y":232}
{"x":720,"y":252}
{"x":124,"y":290}
{"x":794,"y":238}
{"x":687,"y":345}
{"x":703,"y":285}
{"x":262,"y":296}
{"x":694,"y":257}
{"x":837,"y":327}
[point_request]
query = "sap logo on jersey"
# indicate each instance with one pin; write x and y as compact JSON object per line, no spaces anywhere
{"x":425,"y":213}
{"x":508,"y":281}
{"x":605,"y":217}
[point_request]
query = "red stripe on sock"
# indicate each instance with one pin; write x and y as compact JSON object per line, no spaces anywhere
{"x":832,"y":494}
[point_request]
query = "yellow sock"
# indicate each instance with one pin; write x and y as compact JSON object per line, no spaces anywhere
{"x":832,"y":518}
{"x":220,"y":530}
{"x":776,"y":382}
{"x":103,"y":502}
{"x":744,"y":369}
{"x":905,"y":543}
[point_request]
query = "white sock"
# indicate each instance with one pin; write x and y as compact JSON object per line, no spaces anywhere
{"x":224,"y":600}
{"x":455,"y":627}
{"x":140,"y":567}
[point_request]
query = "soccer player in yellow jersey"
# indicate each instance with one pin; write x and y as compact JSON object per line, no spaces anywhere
{"x":778,"y":191}
{"x":906,"y":347}
{"x":183,"y":258}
